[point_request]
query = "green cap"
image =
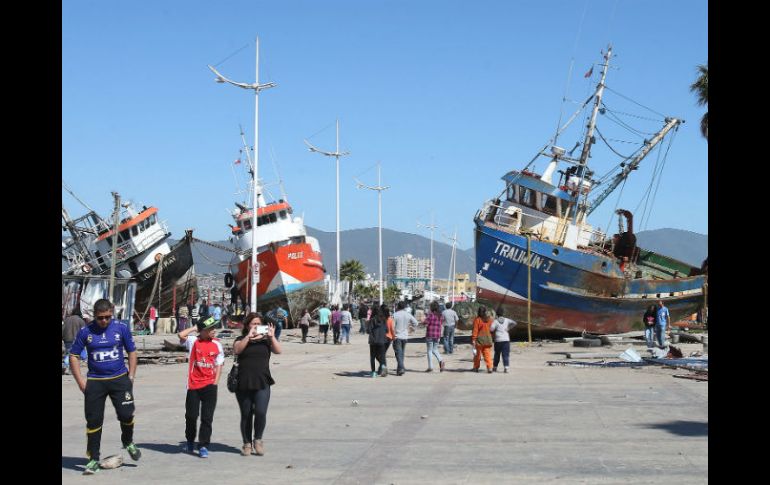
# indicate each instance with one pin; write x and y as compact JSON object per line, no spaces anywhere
{"x":208,"y":323}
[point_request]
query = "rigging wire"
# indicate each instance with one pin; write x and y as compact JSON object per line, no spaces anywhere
{"x":635,"y":102}
{"x":322,"y":129}
{"x":624,"y":157}
{"x":231,"y":55}
{"x":660,"y":177}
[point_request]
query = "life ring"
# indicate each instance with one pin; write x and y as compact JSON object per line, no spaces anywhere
{"x":228,"y":280}
{"x":86,"y":268}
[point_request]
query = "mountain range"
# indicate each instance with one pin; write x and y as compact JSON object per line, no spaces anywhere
{"x":362,"y":244}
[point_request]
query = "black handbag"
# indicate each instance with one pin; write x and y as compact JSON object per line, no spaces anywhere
{"x":232,"y":376}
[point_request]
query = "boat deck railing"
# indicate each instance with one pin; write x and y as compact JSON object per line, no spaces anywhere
{"x":507,"y":223}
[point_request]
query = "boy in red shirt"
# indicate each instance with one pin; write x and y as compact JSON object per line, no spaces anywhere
{"x":206,"y":359}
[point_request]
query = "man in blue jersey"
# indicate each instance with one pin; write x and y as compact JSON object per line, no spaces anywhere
{"x":104,"y":341}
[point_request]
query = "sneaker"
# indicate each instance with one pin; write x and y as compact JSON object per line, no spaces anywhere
{"x":428,"y":370}
{"x":203,"y":452}
{"x":441,"y":366}
{"x":189,"y":447}
{"x":384,"y":372}
{"x":374,"y":374}
{"x":400,"y":372}
{"x":133,"y":451}
{"x":505,"y":370}
{"x":494,"y":369}
{"x":246,"y":449}
{"x":259,"y":448}
{"x":92,"y":467}
{"x":489,"y":370}
{"x":475,"y":369}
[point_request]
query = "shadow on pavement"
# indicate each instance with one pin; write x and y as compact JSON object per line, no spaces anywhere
{"x":359,"y":373}
{"x":683,"y":428}
{"x":177,"y":449}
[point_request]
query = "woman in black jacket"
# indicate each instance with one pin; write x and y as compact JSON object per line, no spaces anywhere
{"x":254,"y":380}
{"x":377,"y":327}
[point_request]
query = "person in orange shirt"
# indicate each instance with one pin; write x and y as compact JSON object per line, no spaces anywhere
{"x":481,"y":339}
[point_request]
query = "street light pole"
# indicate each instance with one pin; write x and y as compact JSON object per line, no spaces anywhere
{"x":432,"y":227}
{"x":379,"y":188}
{"x":452,"y":264}
{"x":336,"y":154}
{"x":255,"y":172}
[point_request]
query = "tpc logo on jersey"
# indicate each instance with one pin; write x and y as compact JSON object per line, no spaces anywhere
{"x":89,"y":339}
{"x":117,"y":337}
{"x":106,"y":355}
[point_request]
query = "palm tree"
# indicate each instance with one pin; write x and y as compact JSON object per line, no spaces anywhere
{"x":352,"y":270}
{"x":701,"y":88}
{"x":391,"y":294}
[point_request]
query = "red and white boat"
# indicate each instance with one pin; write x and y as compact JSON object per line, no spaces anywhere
{"x":290,"y":265}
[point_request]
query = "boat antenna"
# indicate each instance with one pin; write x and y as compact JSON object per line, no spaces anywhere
{"x":64,"y":185}
{"x":569,"y":73}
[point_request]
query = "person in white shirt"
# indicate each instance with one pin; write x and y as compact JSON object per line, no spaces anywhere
{"x":500,"y":329}
{"x":449,"y":318}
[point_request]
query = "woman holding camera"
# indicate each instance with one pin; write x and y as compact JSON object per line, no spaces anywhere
{"x":253,"y":349}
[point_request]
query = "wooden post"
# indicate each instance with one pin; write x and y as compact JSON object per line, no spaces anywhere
{"x":173,"y":302}
{"x":529,"y":289}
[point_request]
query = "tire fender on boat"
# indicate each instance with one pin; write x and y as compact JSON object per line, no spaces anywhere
{"x":86,"y":268}
{"x":120,"y":253}
{"x":228,"y":280}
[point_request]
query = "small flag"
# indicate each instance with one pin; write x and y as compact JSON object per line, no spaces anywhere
{"x":237,"y":161}
{"x":590,"y":71}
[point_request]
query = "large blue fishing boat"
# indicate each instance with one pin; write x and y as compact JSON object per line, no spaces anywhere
{"x":535,"y":248}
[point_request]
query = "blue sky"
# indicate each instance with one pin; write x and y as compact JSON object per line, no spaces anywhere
{"x":448,"y":95}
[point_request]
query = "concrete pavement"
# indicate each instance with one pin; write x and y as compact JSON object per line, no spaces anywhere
{"x":536,"y":424}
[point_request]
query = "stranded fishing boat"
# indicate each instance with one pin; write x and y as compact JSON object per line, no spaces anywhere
{"x":290,"y":265}
{"x":534,"y":244}
{"x":162,"y":272}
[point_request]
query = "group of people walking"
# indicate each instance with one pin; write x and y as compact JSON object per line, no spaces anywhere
{"x":104,"y":342}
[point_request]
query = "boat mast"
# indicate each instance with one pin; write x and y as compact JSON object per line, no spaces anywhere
{"x":589,"y":139}
{"x":75,"y":232}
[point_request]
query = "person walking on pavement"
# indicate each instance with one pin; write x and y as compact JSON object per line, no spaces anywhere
{"x":402,"y":322}
{"x":649,"y":318}
{"x":346,"y":321}
{"x":661,"y":322}
{"x":324,"y":315}
{"x":481,"y":339}
{"x":432,"y":335}
{"x":336,"y":323}
{"x":363,"y":312}
{"x":501,"y":328}
{"x":153,"y":319}
{"x":449,"y":318}
{"x":70,"y":329}
{"x":206,"y":357}
{"x":377,"y":331}
{"x":304,"y":324}
{"x":278,"y":317}
{"x":104,"y":340}
{"x":254,"y":380}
